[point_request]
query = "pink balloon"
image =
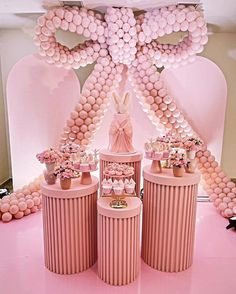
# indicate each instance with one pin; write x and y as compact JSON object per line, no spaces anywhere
{"x":6,"y":217}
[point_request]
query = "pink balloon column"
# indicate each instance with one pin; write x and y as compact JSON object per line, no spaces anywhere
{"x":22,"y":202}
{"x":123,"y":40}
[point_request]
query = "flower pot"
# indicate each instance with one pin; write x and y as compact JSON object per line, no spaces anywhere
{"x":191,"y":154}
{"x":50,"y":166}
{"x":65,"y":183}
{"x":49,"y":177}
{"x":178,"y":171}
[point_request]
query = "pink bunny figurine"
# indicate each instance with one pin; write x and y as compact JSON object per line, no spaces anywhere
{"x":121,"y":132}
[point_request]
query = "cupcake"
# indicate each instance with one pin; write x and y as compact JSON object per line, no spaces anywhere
{"x":118,"y":190}
{"x":106,"y":186}
{"x":129,"y":186}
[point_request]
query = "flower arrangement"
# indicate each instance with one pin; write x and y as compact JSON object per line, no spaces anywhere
{"x":65,"y":170}
{"x":49,"y":156}
{"x":192,"y":144}
{"x":178,"y":158}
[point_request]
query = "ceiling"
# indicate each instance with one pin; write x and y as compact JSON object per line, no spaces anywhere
{"x":23,"y":13}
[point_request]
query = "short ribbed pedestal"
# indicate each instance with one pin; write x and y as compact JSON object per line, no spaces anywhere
{"x":70,"y":227}
{"x":118,"y":242}
{"x":131,"y":159}
{"x":169,"y":215}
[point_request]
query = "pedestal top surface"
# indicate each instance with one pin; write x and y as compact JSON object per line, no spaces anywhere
{"x":76,"y":190}
{"x":133,"y":208}
{"x":120,"y":157}
{"x":167,"y":178}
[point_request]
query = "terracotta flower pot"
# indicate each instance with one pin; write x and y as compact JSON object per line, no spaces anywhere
{"x":65,"y":183}
{"x":191,"y":154}
{"x":50,"y":166}
{"x":178,"y":171}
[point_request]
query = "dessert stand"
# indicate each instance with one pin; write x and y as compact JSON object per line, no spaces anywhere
{"x":131,"y":159}
{"x":118,"y":201}
{"x":156,"y":166}
{"x":86,"y":178}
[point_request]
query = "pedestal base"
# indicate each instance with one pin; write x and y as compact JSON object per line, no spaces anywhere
{"x":70,"y":227}
{"x":169,"y":215}
{"x":156,"y":166}
{"x":86,"y":178}
{"x":118,"y":241}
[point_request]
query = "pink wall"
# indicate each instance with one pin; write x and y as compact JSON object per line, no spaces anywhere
{"x":40,"y":98}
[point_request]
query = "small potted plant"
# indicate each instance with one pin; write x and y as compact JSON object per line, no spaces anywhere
{"x":192,"y":145}
{"x":50,"y":157}
{"x":178,"y":162}
{"x":65,"y":172}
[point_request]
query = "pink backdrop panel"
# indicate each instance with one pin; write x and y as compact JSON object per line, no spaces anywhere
{"x":40,"y":98}
{"x":200,"y":90}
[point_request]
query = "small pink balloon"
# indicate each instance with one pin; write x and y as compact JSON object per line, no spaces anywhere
{"x":14,"y":209}
{"x":22,"y":205}
{"x":6,"y":217}
{"x":217,"y":202}
{"x":27,"y":212}
{"x":19,"y":215}
{"x":5,"y":207}
{"x":34,"y":209}
{"x":222,"y":206}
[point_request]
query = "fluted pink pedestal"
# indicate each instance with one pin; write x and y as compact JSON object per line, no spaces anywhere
{"x":70,"y":227}
{"x":131,"y":159}
{"x":169,"y":216}
{"x":118,"y":241}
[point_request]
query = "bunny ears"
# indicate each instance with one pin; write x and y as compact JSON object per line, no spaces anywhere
{"x":121,"y":103}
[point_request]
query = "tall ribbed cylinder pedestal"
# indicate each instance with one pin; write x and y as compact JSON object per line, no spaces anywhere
{"x":131,"y":159}
{"x":70,"y":227}
{"x":169,"y":216}
{"x":118,"y":241}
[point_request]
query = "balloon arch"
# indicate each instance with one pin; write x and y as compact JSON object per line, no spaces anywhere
{"x":120,"y":41}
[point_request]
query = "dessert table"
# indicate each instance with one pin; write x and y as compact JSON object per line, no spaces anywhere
{"x":131,"y":159}
{"x":70,"y":226}
{"x":169,"y":216}
{"x":118,"y":241}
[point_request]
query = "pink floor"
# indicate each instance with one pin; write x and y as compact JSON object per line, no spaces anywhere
{"x":22,"y":267}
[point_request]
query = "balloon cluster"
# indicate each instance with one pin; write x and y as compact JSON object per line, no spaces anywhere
{"x":166,"y":20}
{"x":121,"y":34}
{"x":162,"y":109}
{"x":22,"y":202}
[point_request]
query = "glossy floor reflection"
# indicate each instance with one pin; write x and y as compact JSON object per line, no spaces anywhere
{"x":22,"y":266}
